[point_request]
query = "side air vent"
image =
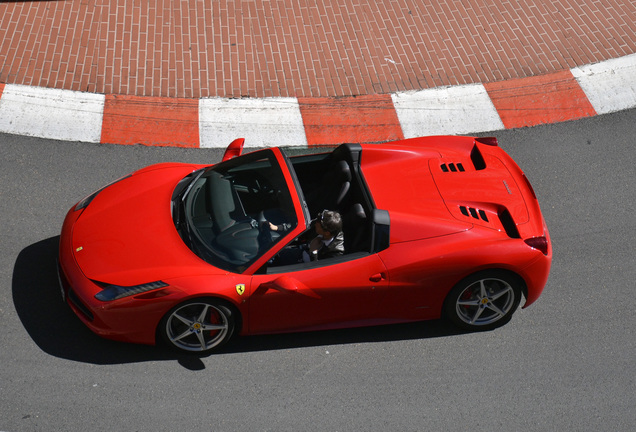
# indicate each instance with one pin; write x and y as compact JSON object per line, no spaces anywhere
{"x":474,"y":213}
{"x":508,"y":224}
{"x":478,"y":159}
{"x":451,"y":167}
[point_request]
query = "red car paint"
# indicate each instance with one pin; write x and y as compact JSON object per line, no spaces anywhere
{"x":456,"y":206}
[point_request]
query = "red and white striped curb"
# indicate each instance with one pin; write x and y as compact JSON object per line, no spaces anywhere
{"x":214,"y":122}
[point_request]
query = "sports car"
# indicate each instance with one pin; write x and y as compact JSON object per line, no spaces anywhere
{"x":187,"y":255}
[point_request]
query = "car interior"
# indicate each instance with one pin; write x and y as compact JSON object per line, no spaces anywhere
{"x":231,"y":205}
{"x":332,"y":181}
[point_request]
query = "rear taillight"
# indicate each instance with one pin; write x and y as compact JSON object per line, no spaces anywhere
{"x":491,"y":141}
{"x":539,"y":243}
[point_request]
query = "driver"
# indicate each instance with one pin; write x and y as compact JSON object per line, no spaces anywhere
{"x":328,"y":243}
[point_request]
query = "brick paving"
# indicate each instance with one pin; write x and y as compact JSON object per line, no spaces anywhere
{"x":305,"y":49}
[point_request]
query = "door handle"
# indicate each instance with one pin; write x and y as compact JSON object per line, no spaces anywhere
{"x":377,"y":277}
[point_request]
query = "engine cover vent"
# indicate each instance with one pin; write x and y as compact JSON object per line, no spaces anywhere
{"x":474,"y":213}
{"x":451,"y":167}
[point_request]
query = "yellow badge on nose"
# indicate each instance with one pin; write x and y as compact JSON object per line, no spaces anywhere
{"x":240,"y":289}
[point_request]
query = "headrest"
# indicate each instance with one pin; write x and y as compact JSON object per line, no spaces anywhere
{"x":358,"y":211}
{"x":344,"y":170}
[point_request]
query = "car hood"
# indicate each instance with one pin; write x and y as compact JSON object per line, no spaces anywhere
{"x":437,"y":192}
{"x":126,"y":235}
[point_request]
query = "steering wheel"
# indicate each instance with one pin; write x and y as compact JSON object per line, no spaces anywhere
{"x":257,"y":187}
{"x":266,"y":237}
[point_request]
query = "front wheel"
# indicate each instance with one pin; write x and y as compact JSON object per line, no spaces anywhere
{"x":198,"y":325}
{"x":484,"y":300}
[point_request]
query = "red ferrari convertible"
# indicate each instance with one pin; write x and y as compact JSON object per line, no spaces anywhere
{"x":190,"y":255}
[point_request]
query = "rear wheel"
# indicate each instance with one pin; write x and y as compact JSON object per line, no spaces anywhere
{"x":484,"y":300}
{"x":198,"y":325}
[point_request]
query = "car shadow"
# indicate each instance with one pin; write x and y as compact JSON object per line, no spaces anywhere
{"x":57,"y":331}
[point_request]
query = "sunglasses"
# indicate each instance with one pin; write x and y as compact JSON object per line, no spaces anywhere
{"x":320,"y":217}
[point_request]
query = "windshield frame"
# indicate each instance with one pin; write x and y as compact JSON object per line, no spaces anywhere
{"x":191,"y":235}
{"x":300,"y":207}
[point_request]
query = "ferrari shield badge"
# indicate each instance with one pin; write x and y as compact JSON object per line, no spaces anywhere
{"x":240,"y":289}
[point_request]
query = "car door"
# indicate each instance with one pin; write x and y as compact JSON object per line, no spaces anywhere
{"x":335,"y":292}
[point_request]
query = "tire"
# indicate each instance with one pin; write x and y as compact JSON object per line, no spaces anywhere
{"x":484,"y":301}
{"x":197,"y":326}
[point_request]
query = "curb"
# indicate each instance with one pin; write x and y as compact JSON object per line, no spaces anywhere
{"x":572,"y":94}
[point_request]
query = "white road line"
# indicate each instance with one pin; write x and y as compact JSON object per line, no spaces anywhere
{"x":610,"y":85}
{"x":262,"y":122}
{"x":446,"y":110}
{"x":51,"y":113}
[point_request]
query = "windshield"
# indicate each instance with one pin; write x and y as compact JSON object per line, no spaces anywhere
{"x":223,"y":213}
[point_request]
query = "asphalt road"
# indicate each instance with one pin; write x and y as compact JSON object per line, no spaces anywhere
{"x":566,"y":363}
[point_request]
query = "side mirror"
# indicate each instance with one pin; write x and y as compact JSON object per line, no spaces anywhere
{"x":234,"y":149}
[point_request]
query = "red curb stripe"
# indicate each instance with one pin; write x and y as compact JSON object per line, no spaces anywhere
{"x":151,"y":121}
{"x":538,"y":100}
{"x":1,"y":89}
{"x":356,"y":119}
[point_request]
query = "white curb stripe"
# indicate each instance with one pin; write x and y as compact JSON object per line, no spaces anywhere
{"x":262,"y":122}
{"x":77,"y":116}
{"x":446,"y":110}
{"x":610,"y":85}
{"x":51,"y":113}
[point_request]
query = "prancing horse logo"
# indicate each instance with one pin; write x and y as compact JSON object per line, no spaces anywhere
{"x":240,"y":289}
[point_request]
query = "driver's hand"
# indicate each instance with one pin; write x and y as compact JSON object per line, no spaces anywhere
{"x":272,"y":226}
{"x":315,"y":244}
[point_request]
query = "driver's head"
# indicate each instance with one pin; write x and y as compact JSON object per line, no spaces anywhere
{"x":329,"y":221}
